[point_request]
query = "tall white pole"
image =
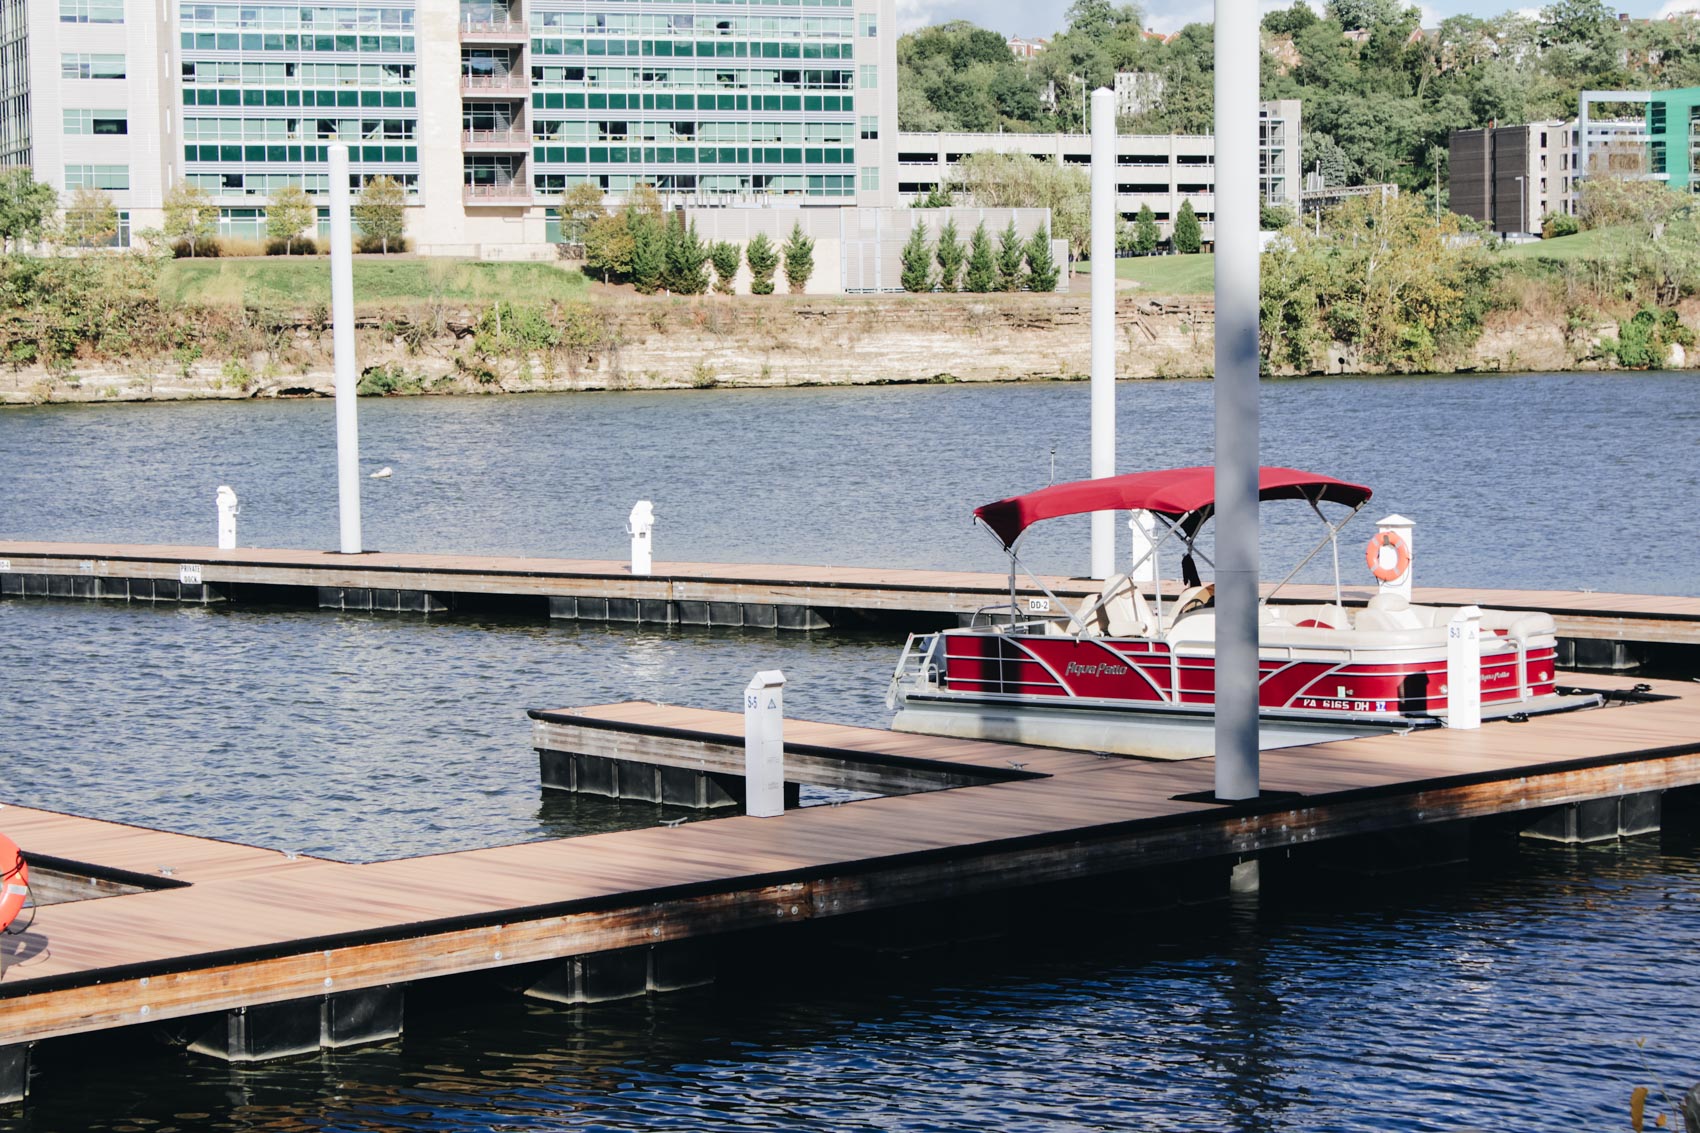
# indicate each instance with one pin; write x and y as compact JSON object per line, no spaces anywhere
{"x":1103,"y":320}
{"x":1236,"y":398}
{"x":342,"y":337}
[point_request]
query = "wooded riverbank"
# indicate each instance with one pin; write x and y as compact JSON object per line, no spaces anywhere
{"x":632,"y":342}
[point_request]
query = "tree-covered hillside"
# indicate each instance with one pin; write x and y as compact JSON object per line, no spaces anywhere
{"x":1380,"y":93}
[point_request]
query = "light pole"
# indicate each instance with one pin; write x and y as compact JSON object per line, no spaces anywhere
{"x":1522,"y":212}
{"x":1437,"y":186}
{"x":1236,"y":393}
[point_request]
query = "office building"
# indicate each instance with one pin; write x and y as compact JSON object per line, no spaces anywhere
{"x":484,"y":110}
{"x":1510,"y":177}
{"x":1161,"y":171}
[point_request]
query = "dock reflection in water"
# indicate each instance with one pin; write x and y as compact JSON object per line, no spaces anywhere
{"x":1514,"y":995}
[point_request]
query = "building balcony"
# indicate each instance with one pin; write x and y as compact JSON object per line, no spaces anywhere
{"x":515,"y":138}
{"x":504,"y":193}
{"x":511,"y":85}
{"x":479,"y":30}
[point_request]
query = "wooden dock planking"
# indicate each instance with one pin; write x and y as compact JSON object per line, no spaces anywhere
{"x":1581,"y":614}
{"x":136,"y":851}
{"x":253,"y":926}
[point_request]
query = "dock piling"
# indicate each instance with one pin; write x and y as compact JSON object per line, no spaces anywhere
{"x":14,"y":1073}
{"x":604,"y":977}
{"x":229,"y":507}
{"x":639,"y":525}
{"x":764,"y":745}
{"x":267,"y":1031}
{"x":1464,"y":669}
{"x":1598,"y":820}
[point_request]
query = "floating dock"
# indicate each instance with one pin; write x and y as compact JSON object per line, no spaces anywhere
{"x":252,"y":953}
{"x":1596,"y":631}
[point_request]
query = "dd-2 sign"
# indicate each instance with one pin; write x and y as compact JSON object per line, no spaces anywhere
{"x":1038,"y":605}
{"x":189,"y":574}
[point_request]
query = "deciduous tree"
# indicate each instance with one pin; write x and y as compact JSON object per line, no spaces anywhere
{"x":91,"y":219}
{"x":190,"y":217}
{"x":290,"y":211}
{"x":381,"y":213}
{"x":26,"y":207}
{"x":608,"y":246}
{"x":580,"y":207}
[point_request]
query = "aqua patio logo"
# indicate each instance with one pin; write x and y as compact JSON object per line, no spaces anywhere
{"x":1102,"y":669}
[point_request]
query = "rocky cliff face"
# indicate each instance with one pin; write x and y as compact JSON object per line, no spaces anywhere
{"x":659,"y":343}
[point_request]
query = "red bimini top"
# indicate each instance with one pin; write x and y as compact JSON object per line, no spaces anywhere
{"x":1174,"y":492}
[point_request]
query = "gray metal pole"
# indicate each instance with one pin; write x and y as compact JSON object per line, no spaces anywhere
{"x":1236,"y":398}
{"x":342,"y":341}
{"x":1103,"y":320}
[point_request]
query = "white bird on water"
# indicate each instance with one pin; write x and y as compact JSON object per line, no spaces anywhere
{"x":383,"y":473}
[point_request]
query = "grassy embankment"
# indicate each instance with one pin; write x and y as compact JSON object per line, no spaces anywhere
{"x":306,"y":282}
{"x":1165,"y":275}
{"x":1195,"y":275}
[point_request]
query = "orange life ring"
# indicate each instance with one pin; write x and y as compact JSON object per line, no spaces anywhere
{"x":1401,"y":553}
{"x":14,"y":881}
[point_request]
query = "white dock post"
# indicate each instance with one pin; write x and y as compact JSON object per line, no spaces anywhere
{"x":228,"y":508}
{"x":1103,"y":321}
{"x":1388,"y":558}
{"x":1464,"y":669}
{"x":1237,"y":365}
{"x":1142,"y":527}
{"x":342,"y":338}
{"x":764,"y":745}
{"x":639,"y":525}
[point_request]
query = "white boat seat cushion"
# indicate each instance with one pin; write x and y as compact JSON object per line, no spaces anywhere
{"x":1306,"y":616}
{"x":1387,"y":611}
{"x":1122,"y":611}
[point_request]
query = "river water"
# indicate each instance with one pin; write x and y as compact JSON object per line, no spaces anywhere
{"x":1515,"y":993}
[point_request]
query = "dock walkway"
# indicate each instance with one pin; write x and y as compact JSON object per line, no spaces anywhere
{"x":755,"y":594}
{"x":232,"y":926}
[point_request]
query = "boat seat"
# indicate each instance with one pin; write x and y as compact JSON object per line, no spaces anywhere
{"x":1388,"y":611}
{"x":1310,"y":615}
{"x":1121,"y":611}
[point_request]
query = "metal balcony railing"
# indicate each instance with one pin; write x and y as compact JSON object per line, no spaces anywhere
{"x":513,"y":82}
{"x":502,"y":193}
{"x":492,"y":28}
{"x":514,"y":137}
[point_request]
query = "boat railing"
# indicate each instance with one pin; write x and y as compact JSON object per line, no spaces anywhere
{"x":917,"y":656}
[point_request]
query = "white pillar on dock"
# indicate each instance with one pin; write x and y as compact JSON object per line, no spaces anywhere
{"x":1103,"y":252}
{"x":639,"y":525}
{"x":1464,"y":669}
{"x":1388,"y":557}
{"x":342,"y":337}
{"x":1237,"y":302}
{"x":1143,"y":555}
{"x":764,"y":745}
{"x":228,"y":508}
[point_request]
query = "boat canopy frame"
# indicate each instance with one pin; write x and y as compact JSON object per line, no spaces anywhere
{"x":1274,"y":483}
